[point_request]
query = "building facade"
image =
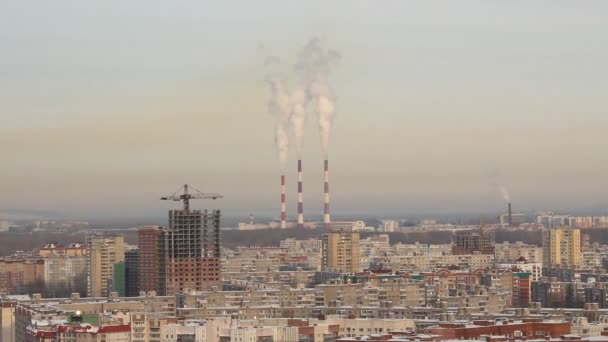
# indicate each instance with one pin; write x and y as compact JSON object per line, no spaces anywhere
{"x":341,"y":251}
{"x":103,"y":252}
{"x":152,"y":270}
{"x":192,"y":245}
{"x":132,"y":273}
{"x":561,"y":247}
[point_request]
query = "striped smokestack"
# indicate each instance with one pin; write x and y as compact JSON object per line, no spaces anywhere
{"x":300,"y":196}
{"x":326,"y":212}
{"x":283,"y":204}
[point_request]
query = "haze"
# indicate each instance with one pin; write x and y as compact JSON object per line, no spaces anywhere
{"x":106,"y":106}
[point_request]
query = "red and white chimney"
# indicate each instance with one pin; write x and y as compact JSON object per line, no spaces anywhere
{"x":300,"y":196}
{"x":283,"y":204}
{"x":326,"y":212}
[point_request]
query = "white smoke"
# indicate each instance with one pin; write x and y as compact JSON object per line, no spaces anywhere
{"x":279,"y":107}
{"x":308,"y":88}
{"x":498,"y":181}
{"x":313,"y":67}
{"x":505,"y":193}
{"x":298,"y":101}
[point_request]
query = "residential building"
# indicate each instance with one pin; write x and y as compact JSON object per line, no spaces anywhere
{"x":152,"y":260}
{"x":103,"y":252}
{"x":132,"y":273}
{"x":508,"y":252}
{"x":341,"y":251}
{"x":561,"y":247}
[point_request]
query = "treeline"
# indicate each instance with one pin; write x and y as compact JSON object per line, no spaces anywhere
{"x":11,"y":242}
{"x":532,"y":237}
{"x":266,"y":237}
{"x":272,"y":237}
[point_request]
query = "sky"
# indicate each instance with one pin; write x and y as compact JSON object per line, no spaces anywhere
{"x":106,"y":106}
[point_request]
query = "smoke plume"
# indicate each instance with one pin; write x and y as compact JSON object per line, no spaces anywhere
{"x":499,"y":183}
{"x":279,"y":107}
{"x":504,"y":192}
{"x":298,"y":100}
{"x":313,"y":67}
{"x":308,"y":87}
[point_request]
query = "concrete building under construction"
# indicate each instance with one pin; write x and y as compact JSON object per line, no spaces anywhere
{"x":193,"y":250}
{"x":192,"y":246}
{"x":474,"y":242}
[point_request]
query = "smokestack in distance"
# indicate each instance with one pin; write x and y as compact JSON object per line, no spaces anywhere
{"x":283,"y":204}
{"x":326,"y":211}
{"x":509,"y":215}
{"x":300,"y":196}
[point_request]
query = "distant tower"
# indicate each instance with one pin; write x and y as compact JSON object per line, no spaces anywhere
{"x":283,"y":204}
{"x":510,"y":215}
{"x":300,"y":196}
{"x":326,"y":211}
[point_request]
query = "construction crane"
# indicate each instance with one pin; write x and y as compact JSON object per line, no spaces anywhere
{"x":186,"y":196}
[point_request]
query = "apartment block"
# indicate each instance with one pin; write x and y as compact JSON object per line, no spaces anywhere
{"x":151,"y":260}
{"x":103,"y":252}
{"x":341,"y":251}
{"x":561,"y":247}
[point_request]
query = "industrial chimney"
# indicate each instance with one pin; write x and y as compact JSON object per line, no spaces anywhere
{"x":326,"y":212}
{"x":300,"y":196}
{"x":283,"y":204}
{"x":509,"y":215}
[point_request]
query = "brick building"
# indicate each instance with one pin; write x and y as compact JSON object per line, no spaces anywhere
{"x":526,"y":328}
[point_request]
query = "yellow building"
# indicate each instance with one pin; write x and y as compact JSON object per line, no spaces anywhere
{"x":561,"y":247}
{"x":341,"y":251}
{"x":103,"y":251}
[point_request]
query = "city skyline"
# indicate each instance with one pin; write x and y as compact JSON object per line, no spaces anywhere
{"x":102,"y":119}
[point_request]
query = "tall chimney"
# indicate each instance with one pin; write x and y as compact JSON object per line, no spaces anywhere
{"x":283,"y":204}
{"x":326,"y":212}
{"x":510,"y":215}
{"x":300,"y":196}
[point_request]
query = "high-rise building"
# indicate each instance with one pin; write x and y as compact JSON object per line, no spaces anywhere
{"x":103,"y":252}
{"x":193,"y":250}
{"x":561,"y":247}
{"x":132,"y":273}
{"x":152,"y":271}
{"x":341,"y":251}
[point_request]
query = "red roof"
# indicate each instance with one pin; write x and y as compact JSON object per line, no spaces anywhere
{"x":522,"y":259}
{"x":114,"y":328}
{"x":85,"y":328}
{"x":43,"y":333}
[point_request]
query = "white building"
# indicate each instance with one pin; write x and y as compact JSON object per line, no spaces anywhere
{"x":389,"y":226}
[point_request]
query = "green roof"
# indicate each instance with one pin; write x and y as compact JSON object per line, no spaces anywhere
{"x":522,"y":274}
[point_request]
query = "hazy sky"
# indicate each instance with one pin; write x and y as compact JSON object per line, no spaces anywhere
{"x":107,"y":105}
